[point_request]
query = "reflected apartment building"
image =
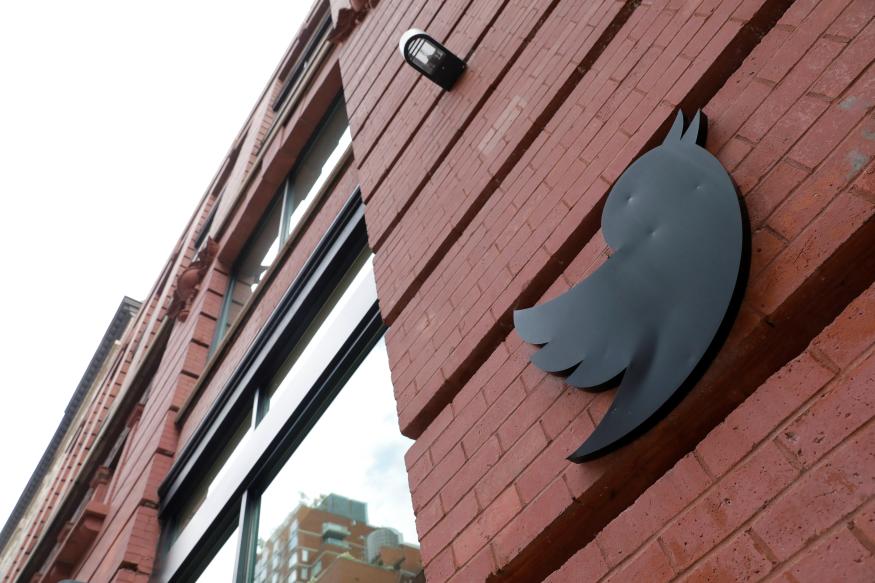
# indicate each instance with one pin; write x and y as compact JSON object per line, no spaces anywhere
{"x":337,"y":317}
{"x":331,"y":540}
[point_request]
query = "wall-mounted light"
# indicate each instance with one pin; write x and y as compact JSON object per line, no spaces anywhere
{"x":430,"y":58}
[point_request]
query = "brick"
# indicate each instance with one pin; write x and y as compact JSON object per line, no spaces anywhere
{"x":475,"y":468}
{"x":553,"y":460}
{"x":735,"y":499}
{"x":851,"y":333}
{"x":586,"y":566}
{"x":489,"y":522}
{"x":650,"y":565}
{"x":428,"y":516}
{"x":738,"y":560}
{"x":853,"y":19}
{"x":510,"y":465}
{"x":848,"y":66}
{"x":438,"y":477}
{"x":847,"y":405}
{"x":466,"y":417}
{"x":796,"y":263}
{"x":478,"y":569}
{"x":765,"y":246}
{"x":653,"y":509}
{"x":768,"y":194}
{"x":836,"y":123}
{"x":762,"y":413}
{"x":554,"y":500}
{"x":446,"y":530}
{"x":863,"y":524}
{"x":839,"y":557}
{"x":821,"y":497}
{"x":441,"y":567}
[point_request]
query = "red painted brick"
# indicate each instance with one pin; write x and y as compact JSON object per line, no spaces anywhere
{"x":762,"y":413}
{"x":475,"y":468}
{"x":446,"y":530}
{"x":493,"y":518}
{"x":852,"y":333}
{"x":735,"y":499}
{"x":796,"y":263}
{"x":863,"y":524}
{"x":821,"y":497}
{"x":586,"y":566}
{"x":478,"y":569}
{"x":738,"y":560}
{"x":510,"y":465}
{"x":848,"y":404}
{"x":650,"y":565}
{"x":554,"y":500}
{"x":653,"y":509}
{"x":839,"y":557}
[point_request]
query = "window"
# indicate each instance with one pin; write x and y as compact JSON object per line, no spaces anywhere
{"x":319,"y":387}
{"x":304,"y":63}
{"x":223,"y":562}
{"x":313,"y":172}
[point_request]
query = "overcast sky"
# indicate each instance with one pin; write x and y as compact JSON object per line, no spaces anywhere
{"x":114,"y":117}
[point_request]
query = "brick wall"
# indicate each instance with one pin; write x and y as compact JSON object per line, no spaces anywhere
{"x":488,"y":197}
{"x":782,"y":488}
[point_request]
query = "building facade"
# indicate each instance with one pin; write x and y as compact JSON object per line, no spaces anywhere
{"x":337,"y":318}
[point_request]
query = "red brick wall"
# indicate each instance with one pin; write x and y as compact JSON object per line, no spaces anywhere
{"x":488,"y":198}
{"x":783,"y":486}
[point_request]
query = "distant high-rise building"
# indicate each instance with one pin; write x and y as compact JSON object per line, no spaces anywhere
{"x":312,"y":538}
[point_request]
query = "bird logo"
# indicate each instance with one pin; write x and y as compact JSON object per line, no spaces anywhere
{"x":651,"y":311}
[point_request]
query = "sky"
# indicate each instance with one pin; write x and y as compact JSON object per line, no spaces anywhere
{"x":114,"y":118}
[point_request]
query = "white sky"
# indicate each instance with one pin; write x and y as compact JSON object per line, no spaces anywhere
{"x":114,"y":117}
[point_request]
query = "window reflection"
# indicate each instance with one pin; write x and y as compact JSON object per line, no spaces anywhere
{"x":214,"y":473}
{"x":318,"y":328}
{"x":315,"y":167}
{"x":253,"y":264}
{"x":221,"y":568}
{"x":340,"y":508}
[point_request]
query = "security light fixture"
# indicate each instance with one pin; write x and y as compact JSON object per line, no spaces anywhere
{"x":430,"y":58}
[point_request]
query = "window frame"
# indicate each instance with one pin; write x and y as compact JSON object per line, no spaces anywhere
{"x":285,"y":230}
{"x":274,"y":440}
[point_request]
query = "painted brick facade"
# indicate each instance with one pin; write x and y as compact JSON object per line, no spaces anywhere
{"x":488,"y":198}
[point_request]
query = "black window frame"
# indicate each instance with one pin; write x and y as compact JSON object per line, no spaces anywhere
{"x":336,"y":253}
{"x":285,"y":230}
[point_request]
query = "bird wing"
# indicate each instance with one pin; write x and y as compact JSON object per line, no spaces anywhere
{"x":588,"y":329}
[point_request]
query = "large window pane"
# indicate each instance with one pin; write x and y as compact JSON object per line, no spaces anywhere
{"x":214,"y":473}
{"x":316,"y":166}
{"x":221,"y":568}
{"x":250,"y":268}
{"x":309,"y":343}
{"x":342,"y":501}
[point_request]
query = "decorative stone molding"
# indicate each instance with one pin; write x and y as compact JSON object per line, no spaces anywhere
{"x":346,"y":14}
{"x":188,"y":282}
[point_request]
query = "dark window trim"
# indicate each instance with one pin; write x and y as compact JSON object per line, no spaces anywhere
{"x":303,"y":62}
{"x":285,"y":231}
{"x":337,"y":250}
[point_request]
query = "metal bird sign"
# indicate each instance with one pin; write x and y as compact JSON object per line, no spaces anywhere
{"x":653,"y":308}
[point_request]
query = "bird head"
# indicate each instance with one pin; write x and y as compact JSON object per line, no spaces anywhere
{"x":677,"y":174}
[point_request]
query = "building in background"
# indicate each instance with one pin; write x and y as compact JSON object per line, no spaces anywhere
{"x":352,"y":270}
{"x":313,"y":537}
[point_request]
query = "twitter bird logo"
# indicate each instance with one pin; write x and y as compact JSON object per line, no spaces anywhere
{"x":653,"y":308}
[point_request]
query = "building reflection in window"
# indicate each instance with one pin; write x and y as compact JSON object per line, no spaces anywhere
{"x":340,"y":508}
